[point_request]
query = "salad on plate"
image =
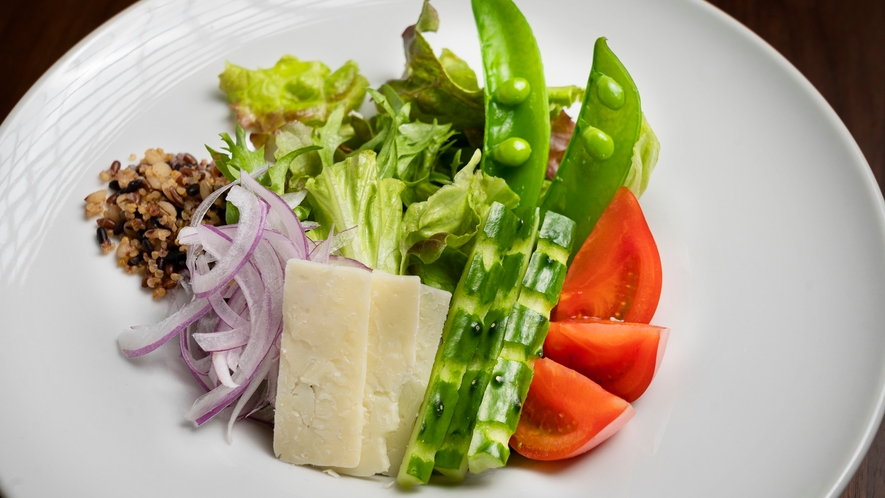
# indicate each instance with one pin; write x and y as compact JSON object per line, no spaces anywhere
{"x":464,"y":274}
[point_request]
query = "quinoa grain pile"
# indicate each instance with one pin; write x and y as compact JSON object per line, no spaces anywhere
{"x":144,"y":207}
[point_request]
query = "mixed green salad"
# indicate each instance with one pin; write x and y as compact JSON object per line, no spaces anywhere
{"x":488,"y":193}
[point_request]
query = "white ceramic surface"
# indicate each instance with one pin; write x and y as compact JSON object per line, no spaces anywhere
{"x":768,"y":220}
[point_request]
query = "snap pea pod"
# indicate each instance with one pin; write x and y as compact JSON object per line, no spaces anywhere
{"x":524,"y":332}
{"x":471,"y":301}
{"x":516,"y":141}
{"x":451,"y":459}
{"x":600,"y":151}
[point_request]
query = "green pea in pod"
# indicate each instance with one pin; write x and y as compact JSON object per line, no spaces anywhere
{"x":600,"y":153}
{"x":516,"y":141}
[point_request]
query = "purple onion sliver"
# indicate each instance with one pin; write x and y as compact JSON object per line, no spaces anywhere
{"x":279,"y":208}
{"x":249,"y":231}
{"x":342,"y":261}
{"x":142,"y":340}
{"x":244,"y":398}
{"x":191,"y":364}
{"x":222,"y":371}
{"x":225,"y":340}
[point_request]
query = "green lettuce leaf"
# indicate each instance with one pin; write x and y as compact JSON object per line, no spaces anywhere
{"x":449,"y":218}
{"x":237,"y":156}
{"x":645,"y":157}
{"x":307,"y":91}
{"x":443,"y":273}
{"x":562,"y":97}
{"x":350,"y":194}
{"x":278,"y":173}
{"x":443,"y":89}
{"x":409,"y":151}
{"x":331,"y":135}
{"x":291,"y":137}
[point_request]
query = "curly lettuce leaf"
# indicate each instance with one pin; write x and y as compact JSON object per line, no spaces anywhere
{"x":293,"y":136}
{"x":279,"y":172}
{"x":443,"y":89}
{"x":449,"y":218}
{"x":645,"y":157}
{"x":409,"y":151}
{"x":307,"y":91}
{"x":237,"y":156}
{"x":350,"y":194}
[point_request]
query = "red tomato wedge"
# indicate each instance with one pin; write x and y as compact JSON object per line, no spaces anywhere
{"x":566,"y":414}
{"x":621,"y":357}
{"x":617,"y":272}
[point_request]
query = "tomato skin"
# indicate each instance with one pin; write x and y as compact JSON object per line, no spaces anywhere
{"x":617,"y":271}
{"x":621,"y":357}
{"x":566,"y":414}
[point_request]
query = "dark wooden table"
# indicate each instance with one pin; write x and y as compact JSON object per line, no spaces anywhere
{"x":839,"y":45}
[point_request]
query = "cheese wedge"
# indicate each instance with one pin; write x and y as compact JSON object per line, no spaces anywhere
{"x":319,"y":414}
{"x":434,"y":306}
{"x":393,"y":328}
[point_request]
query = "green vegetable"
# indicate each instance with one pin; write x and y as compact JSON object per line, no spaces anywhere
{"x":442,"y":89}
{"x":293,"y":136}
{"x":449,"y":219}
{"x":513,"y":91}
{"x":238,"y":156}
{"x":462,"y":332}
{"x":409,"y":151}
{"x":600,"y":153}
{"x":524,"y":332}
{"x":512,"y":152}
{"x":351,"y":195}
{"x":561,"y":97}
{"x":451,"y":459}
{"x":307,"y":91}
{"x":645,"y":157}
{"x":509,"y":51}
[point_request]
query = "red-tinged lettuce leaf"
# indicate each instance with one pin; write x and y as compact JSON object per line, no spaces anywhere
{"x":561,"y":129}
{"x":307,"y":91}
{"x":443,"y":89}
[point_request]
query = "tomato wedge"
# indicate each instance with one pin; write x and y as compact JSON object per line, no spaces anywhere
{"x":621,"y":357}
{"x":617,"y":272}
{"x":566,"y":414}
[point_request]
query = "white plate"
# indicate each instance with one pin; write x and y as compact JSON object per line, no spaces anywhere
{"x":768,"y":221}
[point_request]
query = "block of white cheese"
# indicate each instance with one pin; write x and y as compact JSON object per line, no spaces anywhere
{"x":393,"y":328}
{"x":434,"y":306}
{"x":319,"y":414}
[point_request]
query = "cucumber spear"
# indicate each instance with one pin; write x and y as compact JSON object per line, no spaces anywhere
{"x":451,"y":459}
{"x":471,"y":301}
{"x":524,"y":332}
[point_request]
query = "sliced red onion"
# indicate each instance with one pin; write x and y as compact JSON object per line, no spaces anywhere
{"x":222,"y":371}
{"x":250,"y":227}
{"x":320,"y":253}
{"x":282,"y":217}
{"x":261,"y":375}
{"x":342,"y":261}
{"x":231,"y":326}
{"x":141,"y":340}
{"x":224,"y":340}
{"x":226,"y":313}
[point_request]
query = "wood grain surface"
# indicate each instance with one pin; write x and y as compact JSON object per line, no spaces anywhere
{"x":839,"y":45}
